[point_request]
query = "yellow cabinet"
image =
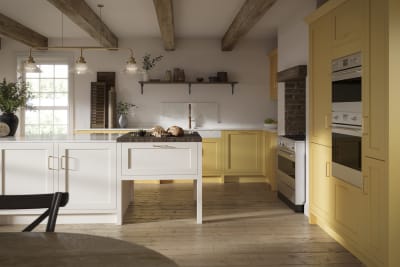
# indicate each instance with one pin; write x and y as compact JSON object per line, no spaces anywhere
{"x":271,"y":142}
{"x":273,"y":74}
{"x":350,"y":25}
{"x":321,"y":35}
{"x":376,"y":184}
{"x":321,"y":197}
{"x":375,"y":87}
{"x":212,"y":157}
{"x":351,"y":210}
{"x":244,"y":152}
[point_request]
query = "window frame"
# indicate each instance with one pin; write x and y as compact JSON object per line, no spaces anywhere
{"x":49,"y":58}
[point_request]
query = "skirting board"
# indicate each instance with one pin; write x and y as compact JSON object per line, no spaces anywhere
{"x":61,"y":219}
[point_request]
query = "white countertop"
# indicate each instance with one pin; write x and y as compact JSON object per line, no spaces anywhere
{"x":61,"y":138}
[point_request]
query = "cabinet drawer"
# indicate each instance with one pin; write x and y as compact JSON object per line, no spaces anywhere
{"x":159,"y":158}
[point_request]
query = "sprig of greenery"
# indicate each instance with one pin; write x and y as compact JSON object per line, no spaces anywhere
{"x":14,"y":96}
{"x":124,"y":107}
{"x":269,"y":121}
{"x":149,"y":62}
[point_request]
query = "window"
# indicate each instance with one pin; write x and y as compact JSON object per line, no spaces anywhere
{"x":50,"y":89}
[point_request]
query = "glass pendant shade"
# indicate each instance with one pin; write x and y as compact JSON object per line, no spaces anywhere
{"x":131,"y":66}
{"x":30,"y":65}
{"x":81,"y":66}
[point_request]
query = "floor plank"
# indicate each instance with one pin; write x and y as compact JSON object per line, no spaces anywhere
{"x":244,"y":225}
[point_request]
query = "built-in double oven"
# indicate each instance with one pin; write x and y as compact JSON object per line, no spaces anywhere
{"x":347,"y":119}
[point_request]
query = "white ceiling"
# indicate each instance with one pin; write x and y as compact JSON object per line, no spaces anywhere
{"x":136,"y":18}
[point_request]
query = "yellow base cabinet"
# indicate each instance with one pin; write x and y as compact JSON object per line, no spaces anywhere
{"x":321,"y":195}
{"x":243,"y":152}
{"x":212,"y":157}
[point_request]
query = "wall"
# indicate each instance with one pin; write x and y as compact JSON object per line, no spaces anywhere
{"x":247,"y":64}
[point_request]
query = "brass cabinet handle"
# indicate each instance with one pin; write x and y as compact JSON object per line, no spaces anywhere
{"x":327,"y":169}
{"x":63,"y":158}
{"x":163,"y":146}
{"x":48,"y":163}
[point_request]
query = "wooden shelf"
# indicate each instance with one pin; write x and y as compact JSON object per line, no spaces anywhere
{"x":189,"y":84}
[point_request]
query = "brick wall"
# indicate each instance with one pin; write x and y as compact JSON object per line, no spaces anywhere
{"x":295,"y":107}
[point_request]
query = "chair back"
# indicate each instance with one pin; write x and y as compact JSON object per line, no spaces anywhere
{"x":51,"y":202}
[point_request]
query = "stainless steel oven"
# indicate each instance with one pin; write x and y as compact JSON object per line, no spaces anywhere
{"x":291,"y":171}
{"x":347,"y":119}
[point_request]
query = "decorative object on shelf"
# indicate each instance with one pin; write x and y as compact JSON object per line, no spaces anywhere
{"x":168,"y":76}
{"x":222,"y":76}
{"x":270,"y":124}
{"x":147,"y":64}
{"x":176,"y":74}
{"x":123,"y":109}
{"x":199,"y":79}
{"x":12,"y":97}
{"x":213,"y":79}
{"x":181,"y":76}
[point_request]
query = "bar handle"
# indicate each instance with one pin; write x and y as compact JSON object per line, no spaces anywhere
{"x":63,"y":159}
{"x":163,"y":146}
{"x":327,"y":169}
{"x":49,"y":160}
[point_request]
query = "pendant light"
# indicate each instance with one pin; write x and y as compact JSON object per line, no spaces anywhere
{"x":80,"y":65}
{"x":30,"y":64}
{"x":131,"y":66}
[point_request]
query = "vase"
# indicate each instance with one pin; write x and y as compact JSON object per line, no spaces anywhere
{"x":11,"y":120}
{"x":145,"y":76}
{"x":122,"y":121}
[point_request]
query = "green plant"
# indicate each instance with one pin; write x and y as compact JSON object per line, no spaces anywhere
{"x":269,"y":121}
{"x":13,"y":96}
{"x":124,"y":107}
{"x":149,"y":62}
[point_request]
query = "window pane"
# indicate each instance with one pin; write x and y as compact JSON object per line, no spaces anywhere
{"x":60,"y":129}
{"x":34,"y":101}
{"x":46,"y":116}
{"x":32,"y":75}
{"x":46,"y":85}
{"x":61,"y":71}
{"x":47,"y":71}
{"x":60,"y":117}
{"x":46,"y":99}
{"x":32,"y":129}
{"x":46,"y":129}
{"x":32,"y":117}
{"x":33,"y":85}
{"x":61,"y":85}
{"x":61,"y":100}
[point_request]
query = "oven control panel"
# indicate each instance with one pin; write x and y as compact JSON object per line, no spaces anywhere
{"x":286,"y":143}
{"x":349,"y":118}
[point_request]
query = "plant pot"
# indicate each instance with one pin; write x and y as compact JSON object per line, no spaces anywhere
{"x":122,"y":121}
{"x":11,"y":120}
{"x":145,"y":76}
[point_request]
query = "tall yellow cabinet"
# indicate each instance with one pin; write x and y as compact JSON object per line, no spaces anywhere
{"x":366,"y":221}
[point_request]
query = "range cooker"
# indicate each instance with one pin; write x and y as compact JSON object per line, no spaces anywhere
{"x":291,"y":171}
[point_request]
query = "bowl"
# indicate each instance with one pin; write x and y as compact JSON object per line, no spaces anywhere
{"x":200,"y":79}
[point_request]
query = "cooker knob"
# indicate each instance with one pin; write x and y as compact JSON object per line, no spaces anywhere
{"x":354,"y":118}
{"x":345,"y":116}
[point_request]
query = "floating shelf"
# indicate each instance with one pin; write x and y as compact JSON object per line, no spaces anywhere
{"x":188,"y":83}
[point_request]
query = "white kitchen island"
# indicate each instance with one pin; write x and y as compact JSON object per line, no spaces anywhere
{"x":91,"y":168}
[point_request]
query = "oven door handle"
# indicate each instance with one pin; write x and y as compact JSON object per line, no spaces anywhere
{"x":286,"y":155}
{"x":353,"y":131}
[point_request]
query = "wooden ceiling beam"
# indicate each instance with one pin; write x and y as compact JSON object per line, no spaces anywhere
{"x":250,"y":13}
{"x":165,"y":17}
{"x":15,"y":30}
{"x":83,"y":16}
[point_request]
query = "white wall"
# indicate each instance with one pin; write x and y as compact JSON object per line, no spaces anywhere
{"x":247,"y":64}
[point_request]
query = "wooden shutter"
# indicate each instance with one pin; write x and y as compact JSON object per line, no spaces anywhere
{"x":98,"y":105}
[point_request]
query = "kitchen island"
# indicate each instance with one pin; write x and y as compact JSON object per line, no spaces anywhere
{"x":95,"y":169}
{"x":159,"y":158}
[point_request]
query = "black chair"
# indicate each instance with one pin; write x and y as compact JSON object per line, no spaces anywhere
{"x":50,"y":201}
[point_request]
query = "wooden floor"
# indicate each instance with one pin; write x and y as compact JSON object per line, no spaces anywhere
{"x":244,"y":225}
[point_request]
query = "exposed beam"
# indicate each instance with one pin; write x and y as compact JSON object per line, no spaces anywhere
{"x":250,"y":13}
{"x":21,"y":33}
{"x":83,"y":16}
{"x":165,"y":16}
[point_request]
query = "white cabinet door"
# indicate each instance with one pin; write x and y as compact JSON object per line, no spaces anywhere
{"x":88,"y":173}
{"x":163,"y":159}
{"x":26,"y":168}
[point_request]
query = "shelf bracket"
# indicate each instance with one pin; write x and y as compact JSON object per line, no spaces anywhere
{"x":190,"y":88}
{"x":141,"y":88}
{"x":233,"y":86}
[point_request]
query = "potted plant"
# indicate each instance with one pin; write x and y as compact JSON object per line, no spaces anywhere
{"x":270,"y":124}
{"x":147,"y":64}
{"x":123,"y":109}
{"x":12,"y":97}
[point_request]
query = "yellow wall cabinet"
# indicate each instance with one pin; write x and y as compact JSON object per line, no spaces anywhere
{"x":271,"y":142}
{"x":273,"y":74}
{"x":244,"y":152}
{"x":321,"y":37}
{"x":212,"y":157}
